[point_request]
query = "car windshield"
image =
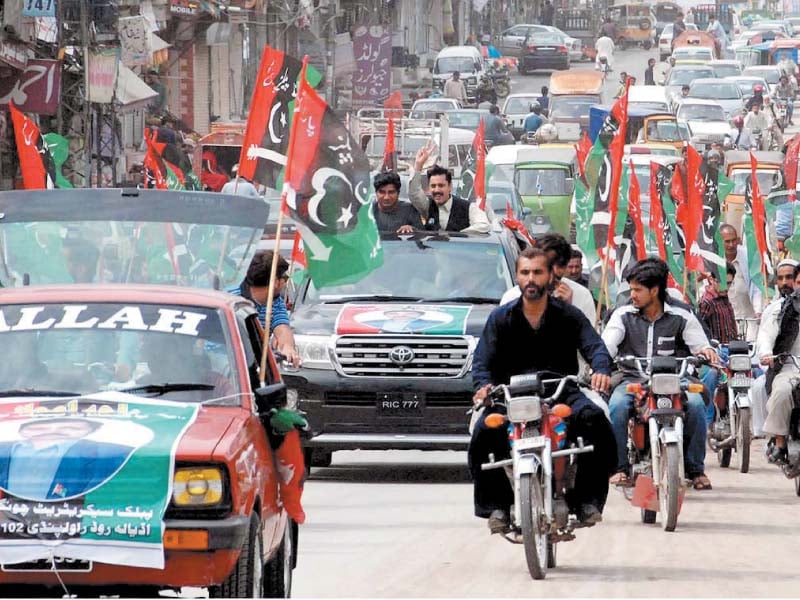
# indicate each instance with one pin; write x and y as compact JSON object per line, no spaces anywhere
{"x":519,"y":106}
{"x":172,"y":253}
{"x":467,"y":120}
{"x":90,"y":347}
{"x":666,"y":131}
{"x":726,"y":70}
{"x":426,"y":269}
{"x":571,"y":107}
{"x":766,"y":180}
{"x":687,"y":76}
{"x":544,"y":181}
{"x":772,"y":76}
{"x":715,"y":91}
{"x":448,"y":64}
{"x":701,"y":112}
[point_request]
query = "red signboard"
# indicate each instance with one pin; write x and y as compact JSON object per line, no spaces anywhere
{"x":37,"y":89}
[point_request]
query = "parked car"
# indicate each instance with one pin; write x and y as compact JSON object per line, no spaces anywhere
{"x":665,"y":40}
{"x":102,"y":352}
{"x":726,"y":93}
{"x":544,"y":51}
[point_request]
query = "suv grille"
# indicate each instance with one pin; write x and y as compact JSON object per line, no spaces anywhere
{"x":429,"y":356}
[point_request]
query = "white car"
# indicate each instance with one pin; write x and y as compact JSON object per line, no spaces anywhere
{"x":431,"y":108}
{"x":706,"y":120}
{"x":516,"y":108}
{"x":684,"y":75}
{"x":771,"y":73}
{"x":726,"y":68}
{"x":652,"y":97}
{"x":746,"y":83}
{"x":665,"y":40}
{"x":693,"y":54}
{"x":726,"y":93}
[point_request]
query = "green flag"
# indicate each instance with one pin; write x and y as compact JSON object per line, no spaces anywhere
{"x":58,"y":146}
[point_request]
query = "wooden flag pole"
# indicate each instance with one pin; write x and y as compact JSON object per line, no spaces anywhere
{"x":603,"y":286}
{"x":271,"y":297}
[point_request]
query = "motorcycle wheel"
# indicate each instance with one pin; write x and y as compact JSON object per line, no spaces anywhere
{"x":743,"y":438}
{"x":534,"y":535}
{"x":648,"y":516}
{"x":502,"y":89}
{"x":670,"y":486}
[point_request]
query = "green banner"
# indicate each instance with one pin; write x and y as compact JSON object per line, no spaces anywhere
{"x":88,"y":478}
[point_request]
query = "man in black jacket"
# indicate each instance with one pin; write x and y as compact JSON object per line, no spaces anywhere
{"x":390,"y":213}
{"x":441,"y":211}
{"x":540,"y":333}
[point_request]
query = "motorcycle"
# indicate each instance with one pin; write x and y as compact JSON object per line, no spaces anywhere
{"x":655,"y":435}
{"x":792,"y":467}
{"x":541,"y":469}
{"x":501,"y":80}
{"x":732,"y":429}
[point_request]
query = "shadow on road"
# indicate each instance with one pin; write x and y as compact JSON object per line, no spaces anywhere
{"x":630,"y":574}
{"x":393,"y":473}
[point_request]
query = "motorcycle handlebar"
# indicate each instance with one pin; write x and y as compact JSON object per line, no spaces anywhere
{"x":499,"y":391}
{"x":685,"y":363}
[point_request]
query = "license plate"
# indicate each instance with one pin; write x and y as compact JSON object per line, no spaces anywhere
{"x":740,"y":382}
{"x":400,"y":404}
{"x":44,"y":564}
{"x":530,"y":443}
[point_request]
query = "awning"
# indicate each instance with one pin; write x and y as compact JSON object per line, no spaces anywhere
{"x":131,"y":92}
{"x":160,"y":50}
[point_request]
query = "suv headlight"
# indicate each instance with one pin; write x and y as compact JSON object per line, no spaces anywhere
{"x":197,"y":486}
{"x":314,"y":351}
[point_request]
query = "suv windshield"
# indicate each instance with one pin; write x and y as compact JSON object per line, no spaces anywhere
{"x":715,"y":91}
{"x":86,"y":348}
{"x":448,"y":64}
{"x":428,"y":269}
{"x":701,"y":112}
{"x":551,"y":181}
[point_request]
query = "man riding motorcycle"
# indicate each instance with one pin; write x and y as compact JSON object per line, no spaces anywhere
{"x":533,"y":334}
{"x":655,"y":325}
{"x":758,"y":121}
{"x":756,"y":98}
{"x":485,"y":91}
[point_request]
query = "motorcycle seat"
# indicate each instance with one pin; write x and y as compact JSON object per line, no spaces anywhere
{"x":738,"y":347}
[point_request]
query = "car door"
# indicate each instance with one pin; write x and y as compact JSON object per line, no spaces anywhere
{"x":511,"y":40}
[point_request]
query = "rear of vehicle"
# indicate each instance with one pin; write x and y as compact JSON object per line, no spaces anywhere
{"x":693,"y":54}
{"x":516,"y":109}
{"x":666,"y":37}
{"x":386,"y":360}
{"x":570,"y":114}
{"x":636,"y":24}
{"x":726,"y":93}
{"x":768,"y":172}
{"x":544,"y":51}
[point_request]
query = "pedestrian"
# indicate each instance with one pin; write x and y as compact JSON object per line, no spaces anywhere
{"x":623,"y":79}
{"x":649,"y":78}
{"x":454,"y":88}
{"x":547,"y":13}
{"x":391,"y":214}
{"x":239,"y":185}
{"x":608,"y":29}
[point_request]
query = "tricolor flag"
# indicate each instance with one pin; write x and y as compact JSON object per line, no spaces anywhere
{"x":35,"y":162}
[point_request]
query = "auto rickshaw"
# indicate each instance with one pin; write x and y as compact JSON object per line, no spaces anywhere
{"x":653,"y":125}
{"x":696,"y":38}
{"x":785,"y":48}
{"x":635,"y":24}
{"x":737,"y":169}
{"x":571,"y":92}
{"x":545,"y":178}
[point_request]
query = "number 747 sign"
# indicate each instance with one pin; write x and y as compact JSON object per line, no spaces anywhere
{"x":39,"y":8}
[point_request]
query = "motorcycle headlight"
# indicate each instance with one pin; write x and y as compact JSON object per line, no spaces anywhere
{"x":314,"y":351}
{"x":739,"y":362}
{"x":200,"y":486}
{"x":665,"y":384}
{"x":524,"y":409}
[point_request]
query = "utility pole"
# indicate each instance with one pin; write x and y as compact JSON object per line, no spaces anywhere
{"x":87,"y":108}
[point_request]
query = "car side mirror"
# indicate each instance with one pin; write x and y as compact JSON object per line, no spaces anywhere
{"x":270,"y":396}
{"x":570,"y":185}
{"x":526,"y":211}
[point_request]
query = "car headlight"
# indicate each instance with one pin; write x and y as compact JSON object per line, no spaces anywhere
{"x":314,"y":351}
{"x":197,"y":486}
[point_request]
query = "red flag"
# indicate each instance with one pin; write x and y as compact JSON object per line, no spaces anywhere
{"x":657,"y":213}
{"x":260,"y":113}
{"x":509,"y":211}
{"x":515,"y":224}
{"x":389,"y":150}
{"x":582,"y":149}
{"x":395,"y":103}
{"x":790,"y":165}
{"x":616,"y":149}
{"x":299,"y":251}
{"x":689,"y":214}
{"x":479,"y":146}
{"x":154,"y":167}
{"x":35,"y":162}
{"x":635,"y":213}
{"x":759,"y":212}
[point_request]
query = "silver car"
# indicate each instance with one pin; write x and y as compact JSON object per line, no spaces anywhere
{"x":726,"y":93}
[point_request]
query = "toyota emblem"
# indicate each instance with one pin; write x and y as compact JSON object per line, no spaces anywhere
{"x":401,"y":355}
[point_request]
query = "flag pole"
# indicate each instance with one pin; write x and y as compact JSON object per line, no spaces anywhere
{"x":603,"y":287}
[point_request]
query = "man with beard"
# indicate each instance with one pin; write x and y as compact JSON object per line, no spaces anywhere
{"x":744,"y":294}
{"x":786,"y":275}
{"x":540,"y":333}
{"x":652,"y":325}
{"x":559,"y":252}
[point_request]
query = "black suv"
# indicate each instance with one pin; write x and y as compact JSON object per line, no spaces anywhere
{"x":387,"y":361}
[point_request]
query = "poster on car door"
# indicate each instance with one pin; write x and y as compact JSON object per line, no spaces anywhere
{"x":433,"y":319}
{"x":87,"y":478}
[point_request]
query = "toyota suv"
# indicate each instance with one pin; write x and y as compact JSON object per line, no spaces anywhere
{"x":387,"y":361}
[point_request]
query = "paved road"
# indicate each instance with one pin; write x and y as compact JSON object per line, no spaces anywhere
{"x":399,"y":524}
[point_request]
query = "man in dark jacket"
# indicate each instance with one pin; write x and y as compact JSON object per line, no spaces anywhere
{"x":390,"y":213}
{"x":540,"y":333}
{"x":442,"y":211}
{"x":649,"y":79}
